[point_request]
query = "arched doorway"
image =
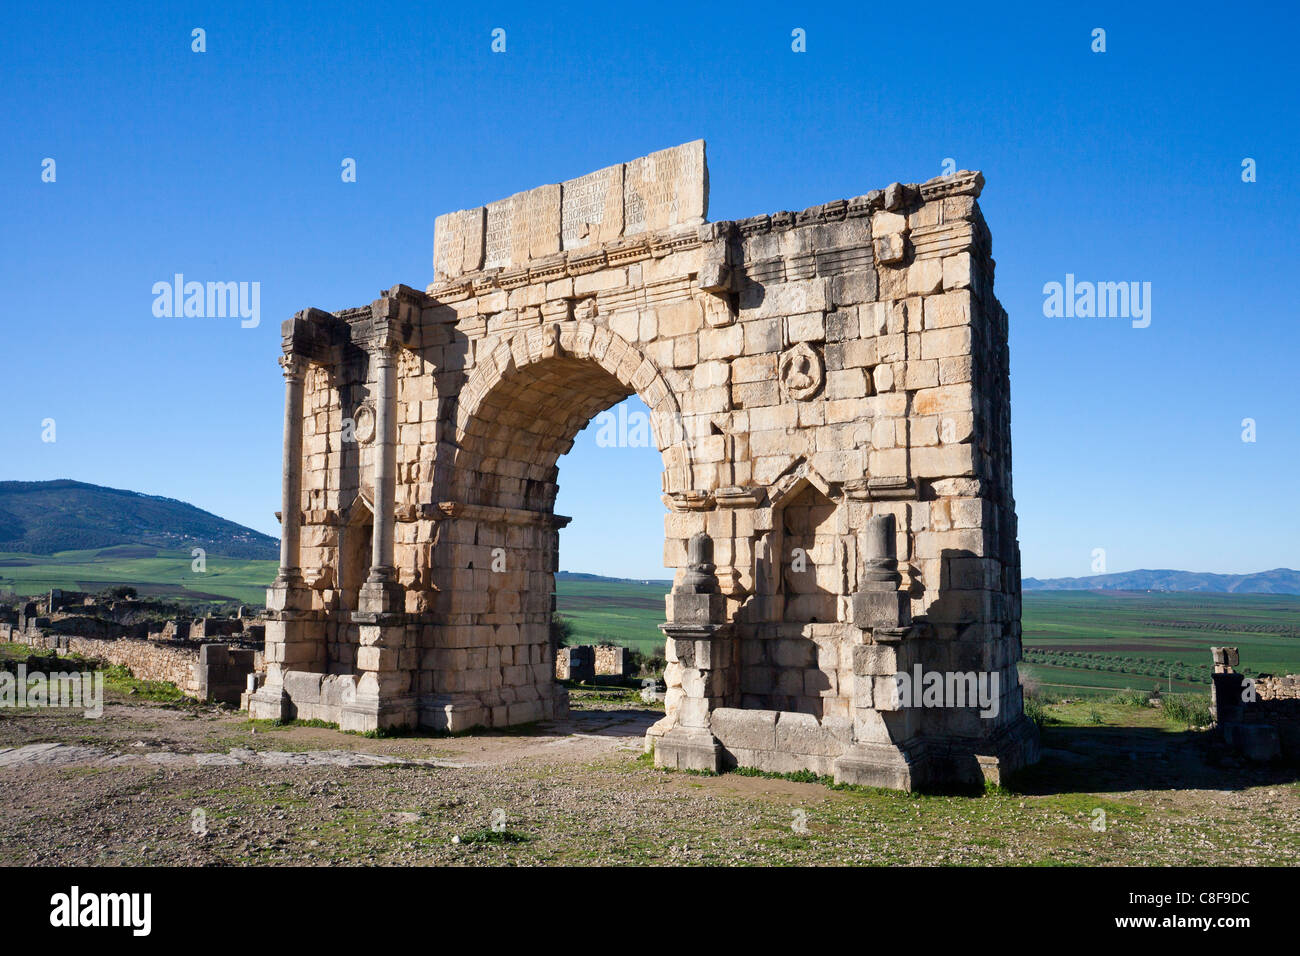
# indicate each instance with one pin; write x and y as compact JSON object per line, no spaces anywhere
{"x":498,"y":550}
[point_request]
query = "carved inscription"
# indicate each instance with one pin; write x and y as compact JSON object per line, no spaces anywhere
{"x":664,"y":189}
{"x":667,"y":188}
{"x":592,"y":208}
{"x":500,"y":223}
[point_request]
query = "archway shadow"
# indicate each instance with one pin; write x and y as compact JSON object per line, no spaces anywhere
{"x":627,"y":723}
{"x":1096,"y":759}
{"x":1117,"y":759}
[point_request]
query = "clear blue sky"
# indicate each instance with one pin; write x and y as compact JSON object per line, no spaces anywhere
{"x":226,"y":166}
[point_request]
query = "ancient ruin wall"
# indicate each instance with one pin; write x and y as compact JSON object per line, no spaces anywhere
{"x":146,"y":660}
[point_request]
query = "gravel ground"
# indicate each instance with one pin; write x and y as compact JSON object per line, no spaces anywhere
{"x":194,"y":785}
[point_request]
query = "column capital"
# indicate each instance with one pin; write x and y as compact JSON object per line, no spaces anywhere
{"x":383,"y":352}
{"x":293,"y":366}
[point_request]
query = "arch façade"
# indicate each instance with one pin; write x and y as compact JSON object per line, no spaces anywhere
{"x":833,"y":381}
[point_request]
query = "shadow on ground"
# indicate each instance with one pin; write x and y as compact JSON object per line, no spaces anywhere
{"x":1114,"y":759}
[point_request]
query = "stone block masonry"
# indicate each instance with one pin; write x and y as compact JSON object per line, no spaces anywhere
{"x":830,"y":396}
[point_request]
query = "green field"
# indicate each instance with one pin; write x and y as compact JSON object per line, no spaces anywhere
{"x":1076,"y":642}
{"x":151,"y":571}
{"x":1137,"y":639}
{"x":619,"y":612}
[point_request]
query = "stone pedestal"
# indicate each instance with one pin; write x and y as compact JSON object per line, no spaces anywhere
{"x":881,"y":765}
{"x":451,"y":713}
{"x":385,"y":696}
{"x":885,"y":750}
{"x":292,"y":644}
{"x":700,"y":650}
{"x":686,"y":748}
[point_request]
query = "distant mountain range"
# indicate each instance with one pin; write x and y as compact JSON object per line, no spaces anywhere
{"x":583,"y":576}
{"x":42,"y":517}
{"x":1277,"y":581}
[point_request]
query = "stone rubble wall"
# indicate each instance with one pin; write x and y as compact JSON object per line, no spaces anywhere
{"x":1278,"y":704}
{"x":1286,"y":687}
{"x":176,"y":663}
{"x":611,"y":660}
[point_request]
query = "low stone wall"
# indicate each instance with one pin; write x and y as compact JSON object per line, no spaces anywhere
{"x":575,"y":663}
{"x":1260,"y":717}
{"x":611,"y":660}
{"x":176,"y":662}
{"x":1286,"y":687}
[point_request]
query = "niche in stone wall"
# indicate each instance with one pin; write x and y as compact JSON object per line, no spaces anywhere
{"x":789,"y":664}
{"x":355,"y":544}
{"x":809,"y":570}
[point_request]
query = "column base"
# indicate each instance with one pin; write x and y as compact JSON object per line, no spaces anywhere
{"x":657,"y":730}
{"x":288,"y":594}
{"x":366,"y":715}
{"x":385,"y":597}
{"x":688,"y":749}
{"x":882,"y":765}
{"x":269,"y":702}
{"x":452,"y":714}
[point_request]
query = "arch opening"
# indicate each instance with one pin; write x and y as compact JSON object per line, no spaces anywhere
{"x":503,"y":544}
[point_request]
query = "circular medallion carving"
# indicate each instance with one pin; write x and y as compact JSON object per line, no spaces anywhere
{"x":802,"y":371}
{"x":363,"y":424}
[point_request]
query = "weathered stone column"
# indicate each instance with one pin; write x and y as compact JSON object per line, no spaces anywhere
{"x":385,"y":452}
{"x":384,"y":690}
{"x":880,"y":606}
{"x":294,"y":638}
{"x":290,"y":574}
{"x":699,"y":650}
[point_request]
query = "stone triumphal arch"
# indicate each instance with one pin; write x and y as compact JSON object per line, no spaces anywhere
{"x":829,"y":391}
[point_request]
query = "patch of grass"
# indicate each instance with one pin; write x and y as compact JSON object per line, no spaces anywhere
{"x":1191,"y":710}
{"x":1037,"y":710}
{"x":1133,"y":698}
{"x":798,"y":776}
{"x":120,"y":679}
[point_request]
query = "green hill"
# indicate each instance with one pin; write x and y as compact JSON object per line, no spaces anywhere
{"x":47,"y":517}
